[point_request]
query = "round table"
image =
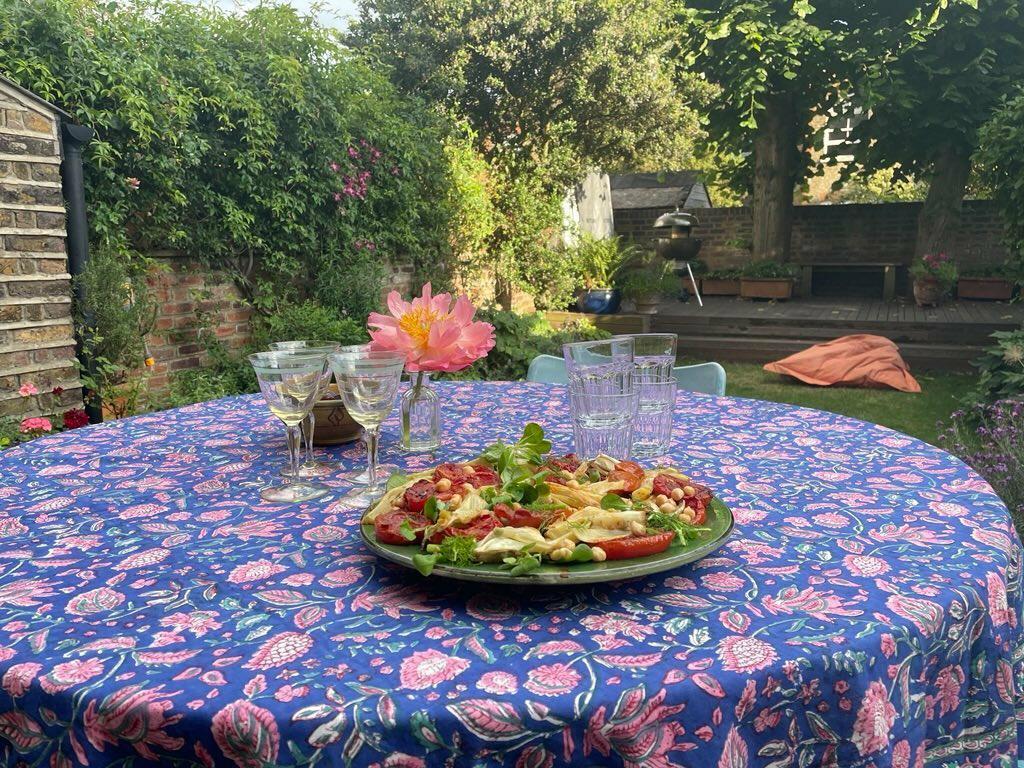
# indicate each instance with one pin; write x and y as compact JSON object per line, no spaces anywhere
{"x":867,"y":610}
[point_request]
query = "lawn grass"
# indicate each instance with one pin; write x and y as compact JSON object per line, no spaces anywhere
{"x":914,"y":414}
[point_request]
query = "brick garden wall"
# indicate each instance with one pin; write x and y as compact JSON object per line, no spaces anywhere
{"x":862,"y":232}
{"x":36,"y":333}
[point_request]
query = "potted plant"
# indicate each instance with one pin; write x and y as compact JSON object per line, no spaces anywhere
{"x":600,"y":262}
{"x":934,"y":275}
{"x":720,"y":282}
{"x":767,"y":280}
{"x":647,"y":282}
{"x":991,"y":283}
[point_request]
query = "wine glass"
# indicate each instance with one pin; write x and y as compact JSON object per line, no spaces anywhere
{"x":290,"y":381}
{"x":311,"y":467}
{"x":368,"y":383}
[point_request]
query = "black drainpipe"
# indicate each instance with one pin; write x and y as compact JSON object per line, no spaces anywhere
{"x":73,"y":138}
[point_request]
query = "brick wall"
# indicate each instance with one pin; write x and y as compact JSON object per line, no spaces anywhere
{"x":883,"y":232}
{"x":191,"y":302}
{"x":36,"y":332}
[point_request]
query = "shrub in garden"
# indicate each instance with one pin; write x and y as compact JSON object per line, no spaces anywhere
{"x":519,"y":339}
{"x":13,"y":431}
{"x":1001,"y":369}
{"x":990,"y":438}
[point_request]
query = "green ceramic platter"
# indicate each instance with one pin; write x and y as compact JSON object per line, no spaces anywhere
{"x":719,"y":521}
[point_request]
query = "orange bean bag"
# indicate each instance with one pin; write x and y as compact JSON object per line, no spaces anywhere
{"x":861,"y":360}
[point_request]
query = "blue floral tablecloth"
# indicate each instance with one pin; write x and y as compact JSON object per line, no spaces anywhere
{"x":866,"y":612}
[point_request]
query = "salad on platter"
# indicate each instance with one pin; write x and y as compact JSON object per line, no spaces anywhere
{"x":522,"y":508}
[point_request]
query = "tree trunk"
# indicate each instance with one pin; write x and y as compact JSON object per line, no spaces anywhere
{"x":775,"y":168}
{"x":503,"y":292}
{"x":939,"y":220}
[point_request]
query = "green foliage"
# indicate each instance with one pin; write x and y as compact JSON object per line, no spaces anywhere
{"x":935,"y":267}
{"x":9,"y":434}
{"x":1002,"y":162}
{"x":251,"y":141}
{"x":885,"y":185}
{"x":1001,"y":368}
{"x":223,"y":374}
{"x":600,"y":261}
{"x":311,"y":321}
{"x":649,"y":275}
{"x":724,"y":274}
{"x":1010,"y":270}
{"x":519,"y":339}
{"x":769,"y":270}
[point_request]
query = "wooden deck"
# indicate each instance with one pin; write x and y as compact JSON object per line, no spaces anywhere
{"x":946,"y":337}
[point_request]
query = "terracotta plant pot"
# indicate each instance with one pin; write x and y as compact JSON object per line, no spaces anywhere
{"x":779,"y":288}
{"x":985,"y":288}
{"x":928,"y":292}
{"x":713,"y":286}
{"x":647,"y":305}
{"x":333,"y":423}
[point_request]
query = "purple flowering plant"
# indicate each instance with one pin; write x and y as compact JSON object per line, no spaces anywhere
{"x":990,"y":439}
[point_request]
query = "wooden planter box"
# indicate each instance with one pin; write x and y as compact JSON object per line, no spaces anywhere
{"x":987,"y":288}
{"x":779,"y":288}
{"x":715,"y":287}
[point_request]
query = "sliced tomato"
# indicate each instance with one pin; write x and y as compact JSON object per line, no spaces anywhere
{"x":387,"y":527}
{"x":417,"y":494}
{"x":453,"y":472}
{"x":665,"y":484}
{"x":569,"y":463}
{"x":517,"y":518}
{"x":482,"y":476}
{"x":636,"y":546}
{"x":478,"y":529}
{"x":629,"y":472}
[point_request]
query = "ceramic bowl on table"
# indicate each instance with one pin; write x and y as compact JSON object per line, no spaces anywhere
{"x":334,"y":424}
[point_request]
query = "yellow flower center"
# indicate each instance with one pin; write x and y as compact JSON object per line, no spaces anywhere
{"x":417,"y":324}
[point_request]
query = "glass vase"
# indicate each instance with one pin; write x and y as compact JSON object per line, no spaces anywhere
{"x":421,"y":415}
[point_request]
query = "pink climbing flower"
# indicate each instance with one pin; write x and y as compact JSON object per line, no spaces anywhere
{"x":133,"y":183}
{"x":28,"y":389}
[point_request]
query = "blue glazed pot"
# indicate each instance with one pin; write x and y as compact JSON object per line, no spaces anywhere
{"x":601,"y":302}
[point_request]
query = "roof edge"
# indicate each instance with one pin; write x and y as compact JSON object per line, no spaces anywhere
{"x":36,"y":98}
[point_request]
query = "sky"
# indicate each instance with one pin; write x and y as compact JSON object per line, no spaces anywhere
{"x":333,"y":13}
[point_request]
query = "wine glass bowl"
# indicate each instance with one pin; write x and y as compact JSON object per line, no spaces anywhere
{"x":290,"y":382}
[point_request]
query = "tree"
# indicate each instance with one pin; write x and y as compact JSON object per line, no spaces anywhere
{"x":548,"y":89}
{"x":929,"y":103}
{"x":777,"y":65}
{"x":1001,"y":158}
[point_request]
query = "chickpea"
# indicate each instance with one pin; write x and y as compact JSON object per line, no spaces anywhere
{"x":677,"y":494}
{"x":642,"y":493}
{"x":599,"y":554}
{"x":454,"y":501}
{"x":444,"y":484}
{"x":660,"y":499}
{"x":686,"y":515}
{"x":637,"y":528}
{"x":467,"y":488}
{"x":668,"y":507}
{"x":469,"y":469}
{"x":563,"y":553}
{"x":689,"y":491}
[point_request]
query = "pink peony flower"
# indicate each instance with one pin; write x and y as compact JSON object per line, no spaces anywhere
{"x":36,"y":424}
{"x":434,"y":333}
{"x":428,"y":669}
{"x":745,"y":654}
{"x":28,"y":389}
{"x":874,"y":720}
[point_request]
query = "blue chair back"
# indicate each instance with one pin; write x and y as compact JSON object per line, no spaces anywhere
{"x":708,"y":378}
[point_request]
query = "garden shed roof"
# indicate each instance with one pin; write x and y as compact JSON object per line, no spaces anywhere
{"x":658,"y":190}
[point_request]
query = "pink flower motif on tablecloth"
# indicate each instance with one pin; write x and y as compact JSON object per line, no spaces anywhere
{"x":617,"y":624}
{"x":19,"y":677}
{"x":290,"y":692}
{"x":133,"y":715}
{"x":428,"y":669}
{"x":948,"y":683}
{"x":281,"y":649}
{"x":196,"y":622}
{"x":888,"y":645}
{"x":94,"y":601}
{"x":998,"y":607}
{"x":745,"y":654}
{"x":257,"y":570}
{"x":821,"y":605}
{"x":247,"y":734}
{"x":70,"y":673}
{"x":831,"y":520}
{"x":498,"y":682}
{"x":343,"y":577}
{"x":875,"y":719}
{"x":865,"y":565}
{"x":723,"y":582}
{"x":901,"y":754}
{"x":552,"y":679}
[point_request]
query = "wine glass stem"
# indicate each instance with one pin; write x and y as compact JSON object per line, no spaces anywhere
{"x":308,"y":424}
{"x":294,"y":442}
{"x":371,"y":435}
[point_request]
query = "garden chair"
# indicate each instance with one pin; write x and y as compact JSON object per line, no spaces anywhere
{"x":708,"y":378}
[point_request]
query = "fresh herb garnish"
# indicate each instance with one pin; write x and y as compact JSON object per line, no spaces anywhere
{"x":406,"y":530}
{"x":582,"y":554}
{"x":457,"y":550}
{"x":431,"y":508}
{"x":660,"y":521}
{"x":523,"y":563}
{"x":397,"y":479}
{"x":614,"y":501}
{"x":530,"y":449}
{"x":424,"y":563}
